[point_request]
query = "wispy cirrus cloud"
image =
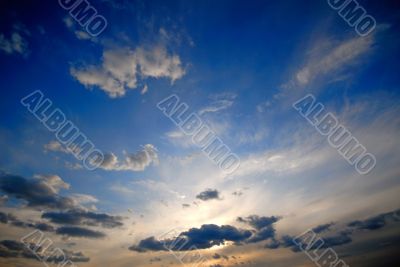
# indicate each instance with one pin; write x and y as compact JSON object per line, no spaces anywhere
{"x":219,"y":102}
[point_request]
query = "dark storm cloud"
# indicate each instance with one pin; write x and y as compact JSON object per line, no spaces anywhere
{"x":219,"y":256}
{"x":36,"y":192}
{"x":322,"y":228}
{"x":272,"y":244}
{"x":81,"y":217}
{"x":263,"y":225}
{"x":258,"y":222}
{"x":287,"y":241}
{"x":208,"y":194}
{"x":210,"y":235}
{"x":16,"y":249}
{"x":206,"y":236}
{"x":8,"y":218}
{"x":149,"y":244}
{"x":79,"y":232}
{"x":36,"y":225}
{"x":261,"y":235}
{"x":341,"y":238}
{"x":375,"y":222}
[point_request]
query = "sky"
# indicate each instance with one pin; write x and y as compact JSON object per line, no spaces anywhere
{"x":239,"y":67}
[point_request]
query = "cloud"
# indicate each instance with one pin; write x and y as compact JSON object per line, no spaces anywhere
{"x":157,"y":63}
{"x":133,"y":161}
{"x":54,"y":181}
{"x":42,"y":191}
{"x":8,"y":218}
{"x":217,"y":256}
{"x":322,"y":228}
{"x":144,"y":89}
{"x":219,"y":102}
{"x":35,"y":225}
{"x":338,"y":239}
{"x":72,"y":26}
{"x":68,"y":22}
{"x":208,"y":194}
{"x":81,"y":35}
{"x":16,"y":43}
{"x":258,"y":222}
{"x":149,"y":244}
{"x":209,"y":235}
{"x":56,"y":146}
{"x":263,"y":225}
{"x":263,"y":106}
{"x":3,"y":200}
{"x":74,"y":231}
{"x":375,"y":222}
{"x":16,"y":249}
{"x":237,"y":193}
{"x":81,"y":217}
{"x":121,"y":67}
{"x":329,"y":57}
{"x":84,"y":198}
{"x":115,"y":76}
{"x":206,"y":236}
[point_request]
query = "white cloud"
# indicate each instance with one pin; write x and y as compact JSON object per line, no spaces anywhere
{"x":115,"y":76}
{"x":55,"y":146}
{"x":144,"y":89}
{"x":121,"y":68}
{"x":84,"y":198}
{"x":138,"y":161}
{"x":81,"y":35}
{"x":73,"y":166}
{"x":157,"y":63}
